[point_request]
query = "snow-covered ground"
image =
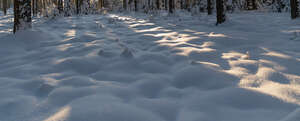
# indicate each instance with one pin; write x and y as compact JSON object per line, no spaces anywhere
{"x":137,"y":67}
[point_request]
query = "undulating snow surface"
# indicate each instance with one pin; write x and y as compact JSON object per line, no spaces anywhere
{"x":137,"y":67}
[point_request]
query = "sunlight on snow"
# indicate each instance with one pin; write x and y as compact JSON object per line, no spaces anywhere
{"x":64,"y":47}
{"x":234,"y":55}
{"x":207,"y":64}
{"x":256,"y":82}
{"x":275,"y":65}
{"x":149,"y":30}
{"x":61,"y":115}
{"x":275,"y":54}
{"x":50,"y":80}
{"x":286,"y":93}
{"x":140,"y":24}
{"x":185,"y":51}
{"x":70,"y":33}
{"x":212,"y":34}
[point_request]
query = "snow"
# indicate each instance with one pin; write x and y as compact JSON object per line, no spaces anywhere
{"x":134,"y":67}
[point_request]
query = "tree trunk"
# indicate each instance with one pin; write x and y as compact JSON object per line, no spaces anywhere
{"x":4,"y":3}
{"x":22,"y":15}
{"x":77,"y":6}
{"x":157,"y":4}
{"x":254,"y":6}
{"x":67,"y":8}
{"x":294,"y":9}
{"x":188,"y":5}
{"x":135,"y":5}
{"x":220,"y":11}
{"x":181,"y":4}
{"x":60,"y":6}
{"x":209,"y":9}
{"x":171,"y":6}
{"x":33,"y":7}
{"x":166,"y":6}
{"x":125,"y":4}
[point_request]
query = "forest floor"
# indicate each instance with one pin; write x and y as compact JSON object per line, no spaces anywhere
{"x":137,"y":67}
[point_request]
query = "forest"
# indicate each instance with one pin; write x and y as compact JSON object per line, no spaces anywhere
{"x":149,"y":60}
{"x":23,"y":10}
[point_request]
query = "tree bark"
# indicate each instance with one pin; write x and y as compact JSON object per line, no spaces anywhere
{"x":135,"y":5}
{"x":254,"y":6}
{"x":67,"y":8}
{"x":60,"y":6}
{"x":188,"y":5}
{"x":220,"y":11}
{"x":4,"y":3}
{"x":33,"y":7}
{"x":157,"y":4}
{"x":22,"y":15}
{"x":166,"y":6}
{"x":294,"y":9}
{"x":171,"y":6}
{"x":125,"y":4}
{"x":77,"y":6}
{"x":209,"y":8}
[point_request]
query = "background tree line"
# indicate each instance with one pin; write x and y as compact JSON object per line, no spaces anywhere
{"x":25,"y":9}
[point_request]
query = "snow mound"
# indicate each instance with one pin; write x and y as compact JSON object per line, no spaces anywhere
{"x":102,"y":107}
{"x":203,"y":77}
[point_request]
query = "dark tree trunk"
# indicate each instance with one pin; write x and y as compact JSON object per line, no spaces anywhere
{"x":209,"y":7}
{"x":125,"y":4}
{"x":37,"y":7}
{"x":4,"y":4}
{"x":294,"y":9}
{"x":67,"y":7}
{"x":22,"y":15}
{"x":279,"y":6}
{"x":254,"y":6}
{"x":148,"y":4}
{"x":135,"y":5}
{"x":171,"y":6}
{"x":157,"y":4}
{"x":220,"y":11}
{"x":77,"y":6}
{"x":166,"y":6}
{"x":33,"y":7}
{"x":100,"y":5}
{"x":251,"y":4}
{"x":181,"y":4}
{"x":60,"y":6}
{"x":248,"y":2}
{"x":188,"y":5}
